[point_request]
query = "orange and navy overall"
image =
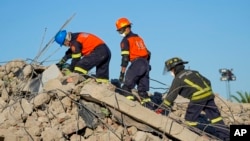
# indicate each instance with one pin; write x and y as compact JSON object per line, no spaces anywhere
{"x":95,"y":54}
{"x":138,"y":71}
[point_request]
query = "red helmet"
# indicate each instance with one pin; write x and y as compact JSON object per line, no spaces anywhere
{"x":122,"y":22}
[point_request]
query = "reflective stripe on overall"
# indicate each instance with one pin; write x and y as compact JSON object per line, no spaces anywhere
{"x":201,"y":92}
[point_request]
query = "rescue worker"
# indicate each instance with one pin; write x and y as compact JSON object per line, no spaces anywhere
{"x":86,"y":51}
{"x":194,"y":86}
{"x":134,"y":50}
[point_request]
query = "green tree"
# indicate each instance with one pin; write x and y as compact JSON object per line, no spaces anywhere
{"x":243,"y":97}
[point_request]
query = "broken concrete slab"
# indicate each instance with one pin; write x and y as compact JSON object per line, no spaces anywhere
{"x":51,"y":72}
{"x":139,"y":113}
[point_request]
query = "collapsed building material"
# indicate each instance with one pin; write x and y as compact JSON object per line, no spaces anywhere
{"x":54,"y":113}
{"x":139,"y":113}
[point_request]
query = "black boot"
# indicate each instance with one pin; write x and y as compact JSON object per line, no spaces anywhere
{"x":146,"y":101}
{"x":117,"y":85}
{"x":222,"y":131}
{"x":125,"y":91}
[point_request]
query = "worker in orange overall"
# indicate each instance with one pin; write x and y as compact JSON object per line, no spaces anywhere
{"x":86,"y":51}
{"x":134,"y":51}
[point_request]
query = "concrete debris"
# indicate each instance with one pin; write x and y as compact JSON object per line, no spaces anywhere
{"x":37,"y":104}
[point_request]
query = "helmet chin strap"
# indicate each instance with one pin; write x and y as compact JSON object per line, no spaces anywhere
{"x":172,"y":73}
{"x":68,"y":36}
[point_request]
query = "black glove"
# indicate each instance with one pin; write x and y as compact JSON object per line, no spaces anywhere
{"x":150,"y":67}
{"x":149,"y":56}
{"x":121,"y":78}
{"x":61,"y":63}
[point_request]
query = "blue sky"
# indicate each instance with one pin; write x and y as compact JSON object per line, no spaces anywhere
{"x":210,"y":34}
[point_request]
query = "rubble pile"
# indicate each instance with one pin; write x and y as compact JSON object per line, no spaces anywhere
{"x":37,"y":104}
{"x":231,"y":112}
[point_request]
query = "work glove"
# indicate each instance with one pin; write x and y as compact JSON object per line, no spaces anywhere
{"x":149,"y":56}
{"x":121,"y":78}
{"x":61,"y":63}
{"x":150,"y":67}
{"x":66,"y":72}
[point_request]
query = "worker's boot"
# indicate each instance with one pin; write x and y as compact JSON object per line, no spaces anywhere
{"x":146,"y":101}
{"x":125,"y":91}
{"x":117,"y":85}
{"x":222,"y":130}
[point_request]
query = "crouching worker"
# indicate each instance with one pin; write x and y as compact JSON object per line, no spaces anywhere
{"x":192,"y":85}
{"x":86,"y":51}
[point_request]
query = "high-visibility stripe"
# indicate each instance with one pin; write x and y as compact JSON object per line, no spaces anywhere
{"x":167,"y":102}
{"x":125,"y":52}
{"x":102,"y":80}
{"x":202,"y":92}
{"x":145,"y":100}
{"x":130,"y":97}
{"x":216,"y":120}
{"x":190,"y":123}
{"x":78,"y":55}
{"x":201,"y":96}
{"x":81,"y":70}
{"x":203,"y":81}
{"x":190,"y":83}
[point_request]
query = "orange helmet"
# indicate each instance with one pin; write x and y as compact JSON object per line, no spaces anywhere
{"x":122,"y":22}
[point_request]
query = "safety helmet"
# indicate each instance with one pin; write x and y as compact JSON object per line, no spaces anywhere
{"x":60,"y":37}
{"x":122,"y":22}
{"x":173,"y":62}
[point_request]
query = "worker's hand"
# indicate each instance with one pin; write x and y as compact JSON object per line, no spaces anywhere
{"x":149,"y":56}
{"x":66,"y":72}
{"x":61,"y":63}
{"x":121,"y":78}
